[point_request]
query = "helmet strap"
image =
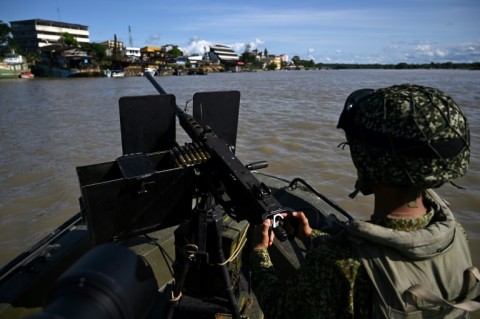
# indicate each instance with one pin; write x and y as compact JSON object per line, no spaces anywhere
{"x":363,"y":184}
{"x":457,"y":186}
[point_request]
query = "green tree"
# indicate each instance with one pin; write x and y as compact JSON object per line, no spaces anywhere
{"x":401,"y":65}
{"x":97,"y":51}
{"x":4,"y":33}
{"x":247,"y":58}
{"x":272,"y":66}
{"x":296,"y":60}
{"x":176,"y":52}
{"x":116,"y":52}
{"x":69,"y":39}
{"x":32,"y":56}
{"x":309,"y":64}
{"x":7,"y":43}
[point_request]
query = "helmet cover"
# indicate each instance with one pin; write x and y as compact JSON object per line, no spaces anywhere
{"x":408,"y":135}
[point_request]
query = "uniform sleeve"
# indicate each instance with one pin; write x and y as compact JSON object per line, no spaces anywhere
{"x":316,"y":290}
{"x":315,"y":239}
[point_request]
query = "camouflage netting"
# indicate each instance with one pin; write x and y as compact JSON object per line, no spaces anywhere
{"x":410,"y":135}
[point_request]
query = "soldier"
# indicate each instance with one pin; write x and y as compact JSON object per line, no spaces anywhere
{"x":411,"y":259}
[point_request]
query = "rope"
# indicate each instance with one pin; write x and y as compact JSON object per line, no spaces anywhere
{"x":238,"y":250}
{"x":177,"y":298}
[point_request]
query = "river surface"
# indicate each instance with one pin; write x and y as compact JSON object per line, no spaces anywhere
{"x":50,"y":126}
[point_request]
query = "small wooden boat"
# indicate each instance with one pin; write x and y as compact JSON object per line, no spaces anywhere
{"x":118,"y":74}
{"x":26,"y":75}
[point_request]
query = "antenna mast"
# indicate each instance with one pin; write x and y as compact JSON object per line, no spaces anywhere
{"x":61,"y":38}
{"x":58,"y":12}
{"x":130,"y":36}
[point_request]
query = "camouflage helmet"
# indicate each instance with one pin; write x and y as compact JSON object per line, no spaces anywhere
{"x":405,"y":135}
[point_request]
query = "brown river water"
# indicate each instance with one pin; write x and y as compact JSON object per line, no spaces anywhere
{"x":50,"y":126}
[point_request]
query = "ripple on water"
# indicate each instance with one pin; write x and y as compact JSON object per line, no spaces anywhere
{"x":286,"y":118}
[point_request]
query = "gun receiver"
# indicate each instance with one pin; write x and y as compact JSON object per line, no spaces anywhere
{"x":252,"y":198}
{"x":248,"y":198}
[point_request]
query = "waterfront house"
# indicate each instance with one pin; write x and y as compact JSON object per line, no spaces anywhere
{"x":132,"y":54}
{"x":224,"y":54}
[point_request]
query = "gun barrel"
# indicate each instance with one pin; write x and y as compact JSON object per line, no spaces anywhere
{"x":155,"y":84}
{"x":252,"y":198}
{"x":160,"y":90}
{"x":188,"y":123}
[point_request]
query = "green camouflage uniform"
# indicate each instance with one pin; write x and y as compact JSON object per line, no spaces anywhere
{"x":405,"y":135}
{"x":331,"y":284}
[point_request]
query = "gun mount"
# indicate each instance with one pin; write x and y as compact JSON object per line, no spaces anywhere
{"x":157,"y":184}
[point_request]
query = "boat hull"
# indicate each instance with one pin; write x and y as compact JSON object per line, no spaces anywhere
{"x":25,"y":281}
{"x":12,"y":70}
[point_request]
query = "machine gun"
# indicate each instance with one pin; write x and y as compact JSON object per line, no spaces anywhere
{"x":248,"y":198}
{"x":224,"y":174}
{"x":152,"y":185}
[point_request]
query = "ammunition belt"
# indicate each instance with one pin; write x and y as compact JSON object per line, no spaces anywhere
{"x":189,"y":154}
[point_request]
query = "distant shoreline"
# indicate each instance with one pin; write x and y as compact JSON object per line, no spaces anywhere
{"x":402,"y":66}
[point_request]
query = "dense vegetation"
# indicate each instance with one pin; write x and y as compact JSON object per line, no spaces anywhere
{"x":398,"y":66}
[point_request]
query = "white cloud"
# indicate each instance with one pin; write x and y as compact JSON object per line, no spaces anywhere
{"x":255,"y":44}
{"x":374,"y":39}
{"x":310,"y":54}
{"x":153,"y":39}
{"x":441,"y":53}
{"x":196,"y":46}
{"x":237,"y":47}
{"x":411,"y":52}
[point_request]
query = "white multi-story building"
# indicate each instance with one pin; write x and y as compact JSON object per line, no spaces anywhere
{"x":132,"y":54}
{"x":34,"y":34}
{"x":223,"y":53}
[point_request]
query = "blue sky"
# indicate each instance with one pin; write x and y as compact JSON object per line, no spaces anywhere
{"x":328,"y":31}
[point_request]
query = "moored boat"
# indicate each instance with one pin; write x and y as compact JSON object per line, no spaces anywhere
{"x":150,"y":70}
{"x":59,"y":61}
{"x":118,"y":74}
{"x":13,"y":65}
{"x":113,"y":73}
{"x":26,"y":75}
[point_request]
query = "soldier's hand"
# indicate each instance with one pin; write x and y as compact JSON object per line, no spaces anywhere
{"x":262,"y":236}
{"x":303,"y":229}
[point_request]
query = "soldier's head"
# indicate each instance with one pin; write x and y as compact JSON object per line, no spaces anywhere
{"x":405,"y":135}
